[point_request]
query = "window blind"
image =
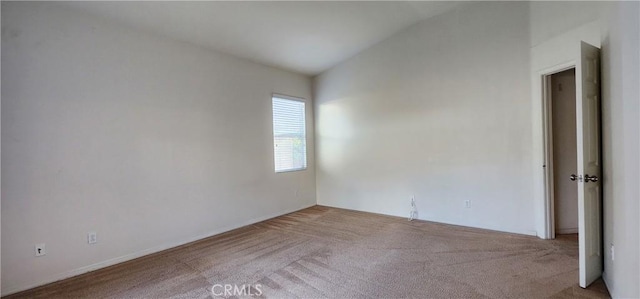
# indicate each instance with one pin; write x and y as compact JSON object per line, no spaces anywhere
{"x":289,"y":135}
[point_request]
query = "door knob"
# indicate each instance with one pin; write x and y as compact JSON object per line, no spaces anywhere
{"x":588,"y":178}
{"x":573,"y":177}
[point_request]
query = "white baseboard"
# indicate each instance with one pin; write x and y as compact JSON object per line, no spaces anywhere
{"x":110,"y":262}
{"x":532,"y":233}
{"x":606,"y":283}
{"x":564,"y":231}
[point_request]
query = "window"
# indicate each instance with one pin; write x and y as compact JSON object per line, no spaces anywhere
{"x":289,"y":134}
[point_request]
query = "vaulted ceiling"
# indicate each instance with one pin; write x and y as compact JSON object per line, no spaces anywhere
{"x":304,"y":37}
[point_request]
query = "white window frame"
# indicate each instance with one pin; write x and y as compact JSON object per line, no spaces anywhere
{"x":306,"y":160}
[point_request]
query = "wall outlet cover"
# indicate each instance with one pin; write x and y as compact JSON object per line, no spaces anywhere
{"x":92,"y":237}
{"x":41,"y":249}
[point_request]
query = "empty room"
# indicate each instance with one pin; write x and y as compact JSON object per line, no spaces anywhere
{"x":320,"y":149}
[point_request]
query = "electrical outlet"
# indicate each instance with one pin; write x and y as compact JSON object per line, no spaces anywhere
{"x":92,"y":237}
{"x":40,"y":249}
{"x":612,"y":252}
{"x":467,"y":203}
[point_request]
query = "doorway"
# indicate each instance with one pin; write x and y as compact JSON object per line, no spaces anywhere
{"x":588,"y":171}
{"x":563,"y":152}
{"x":567,"y":52}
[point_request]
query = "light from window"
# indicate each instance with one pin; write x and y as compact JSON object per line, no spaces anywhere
{"x":289,"y":135}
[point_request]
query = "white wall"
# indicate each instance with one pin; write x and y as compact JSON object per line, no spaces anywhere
{"x":439,"y":111}
{"x":621,"y":159}
{"x":619,"y":34}
{"x":149,"y":142}
{"x":563,"y":102}
{"x":443,"y":111}
{"x":117,"y":131}
{"x":552,"y":18}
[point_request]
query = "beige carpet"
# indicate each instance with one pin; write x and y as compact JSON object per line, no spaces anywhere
{"x":324,"y":252}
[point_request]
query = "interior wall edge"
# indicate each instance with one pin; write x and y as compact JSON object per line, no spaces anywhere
{"x":149,"y":162}
{"x":128,"y":257}
{"x":524,"y":232}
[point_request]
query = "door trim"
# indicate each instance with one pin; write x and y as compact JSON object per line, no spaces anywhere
{"x":548,"y":57}
{"x":547,"y":136}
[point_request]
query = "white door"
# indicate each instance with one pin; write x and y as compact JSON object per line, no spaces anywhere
{"x":589,"y":166}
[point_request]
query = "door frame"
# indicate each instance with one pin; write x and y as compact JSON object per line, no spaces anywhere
{"x":547,"y":141}
{"x":548,"y":57}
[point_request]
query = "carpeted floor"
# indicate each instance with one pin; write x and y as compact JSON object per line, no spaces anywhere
{"x":326,"y":252}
